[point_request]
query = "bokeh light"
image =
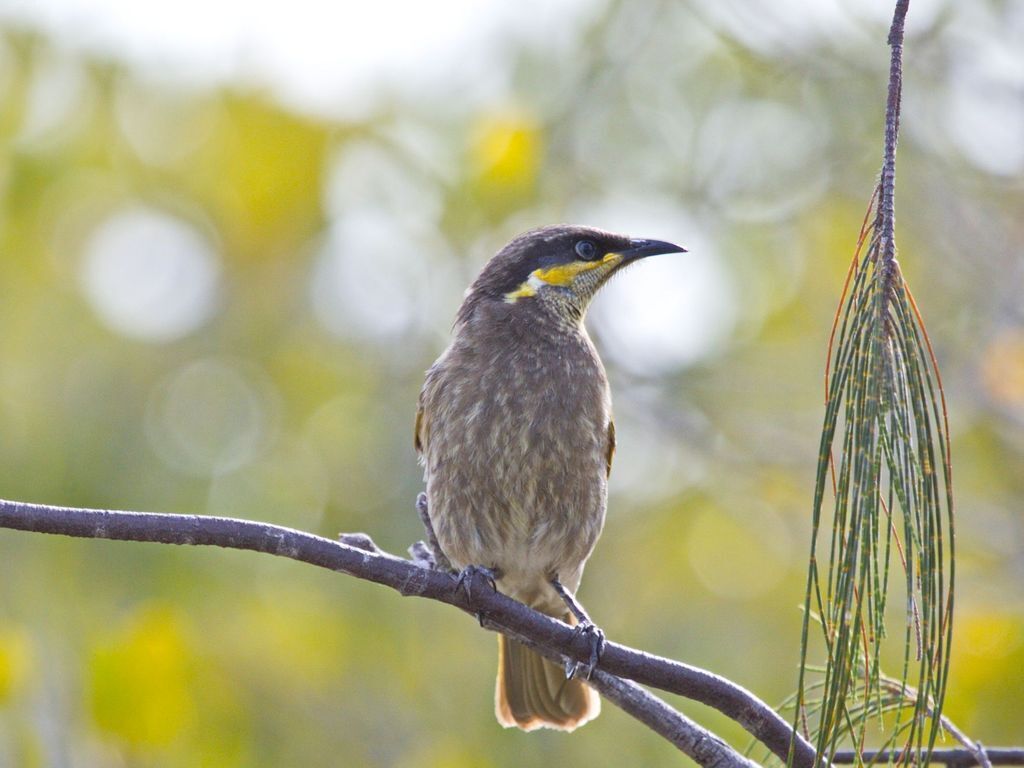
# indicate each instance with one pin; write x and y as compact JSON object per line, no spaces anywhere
{"x":59,"y":100}
{"x":732,"y":163}
{"x":690,"y":322}
{"x":210,"y":417}
{"x":985,"y":113}
{"x":367,"y":277}
{"x":150,"y":275}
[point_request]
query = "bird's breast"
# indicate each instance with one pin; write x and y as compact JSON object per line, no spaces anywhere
{"x":516,"y":456}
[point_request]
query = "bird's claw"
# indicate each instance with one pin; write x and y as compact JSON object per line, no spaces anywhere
{"x":423,"y":555}
{"x":595,"y":636}
{"x":464,"y":580}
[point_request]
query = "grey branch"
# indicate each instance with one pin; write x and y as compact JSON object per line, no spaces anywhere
{"x":356,"y":555}
{"x":955,"y":758}
{"x":702,"y":745}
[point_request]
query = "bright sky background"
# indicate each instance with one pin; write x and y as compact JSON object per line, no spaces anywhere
{"x":323,"y":56}
{"x":333,"y":55}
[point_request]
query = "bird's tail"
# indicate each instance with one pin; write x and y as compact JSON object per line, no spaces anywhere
{"x":533,"y":692}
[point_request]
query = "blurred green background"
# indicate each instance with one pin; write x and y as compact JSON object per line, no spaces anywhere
{"x":233,"y":237}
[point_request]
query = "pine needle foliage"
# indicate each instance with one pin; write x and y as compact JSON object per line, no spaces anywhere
{"x":884,"y":463}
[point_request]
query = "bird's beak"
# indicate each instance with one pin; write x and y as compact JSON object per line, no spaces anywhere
{"x":639,"y":249}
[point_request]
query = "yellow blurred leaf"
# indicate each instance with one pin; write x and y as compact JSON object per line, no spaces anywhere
{"x":261,"y":171}
{"x":990,"y":636}
{"x":506,"y":151}
{"x":15,"y":661}
{"x":987,"y":687}
{"x":139,"y":679}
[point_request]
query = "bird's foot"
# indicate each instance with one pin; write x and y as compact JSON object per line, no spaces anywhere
{"x":595,"y":636}
{"x":465,"y":577}
{"x":464,"y":580}
{"x":584,"y":628}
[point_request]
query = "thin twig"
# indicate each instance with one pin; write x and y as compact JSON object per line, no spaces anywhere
{"x":697,"y":742}
{"x":362,"y":559}
{"x":955,"y":758}
{"x":887,"y":199}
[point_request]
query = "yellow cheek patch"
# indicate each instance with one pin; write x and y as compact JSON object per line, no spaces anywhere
{"x":525,"y":290}
{"x":562,"y":276}
{"x":522,"y":292}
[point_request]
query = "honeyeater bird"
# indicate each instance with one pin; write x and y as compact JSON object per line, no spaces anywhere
{"x":515,"y":431}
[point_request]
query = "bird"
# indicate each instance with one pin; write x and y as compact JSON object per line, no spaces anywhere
{"x":514,"y":429}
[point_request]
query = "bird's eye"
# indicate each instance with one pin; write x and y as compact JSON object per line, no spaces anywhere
{"x":586,"y":250}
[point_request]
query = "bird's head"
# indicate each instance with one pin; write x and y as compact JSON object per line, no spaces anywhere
{"x":560,"y":267}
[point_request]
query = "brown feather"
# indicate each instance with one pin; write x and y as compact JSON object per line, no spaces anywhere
{"x":417,"y":440}
{"x":532,"y":692}
{"x":610,"y":454}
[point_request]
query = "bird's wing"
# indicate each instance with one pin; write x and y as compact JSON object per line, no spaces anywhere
{"x":419,"y":436}
{"x":610,"y":450}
